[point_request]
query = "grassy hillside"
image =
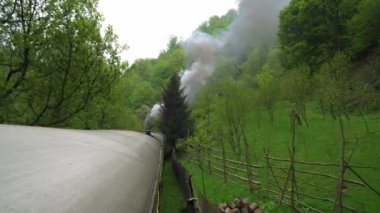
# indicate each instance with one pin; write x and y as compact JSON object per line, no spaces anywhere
{"x":319,"y":142}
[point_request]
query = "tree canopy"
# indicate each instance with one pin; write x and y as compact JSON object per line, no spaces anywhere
{"x":54,"y":60}
{"x":57,"y":67}
{"x":175,"y":121}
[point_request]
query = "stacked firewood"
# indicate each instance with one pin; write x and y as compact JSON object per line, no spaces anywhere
{"x":240,"y":206}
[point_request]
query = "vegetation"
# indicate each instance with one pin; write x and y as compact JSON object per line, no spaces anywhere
{"x":309,"y":99}
{"x":216,"y":24}
{"x":171,"y":197}
{"x":175,"y":120}
{"x":55,"y":62}
{"x":317,"y":143}
{"x":314,"y":96}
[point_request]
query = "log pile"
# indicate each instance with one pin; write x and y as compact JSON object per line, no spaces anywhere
{"x":239,"y":206}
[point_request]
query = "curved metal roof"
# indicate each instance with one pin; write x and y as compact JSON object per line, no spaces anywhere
{"x":58,"y":170}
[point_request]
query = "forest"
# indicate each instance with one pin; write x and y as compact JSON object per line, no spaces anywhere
{"x":282,"y":83}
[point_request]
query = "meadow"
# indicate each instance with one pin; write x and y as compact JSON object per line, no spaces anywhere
{"x":318,"y":142}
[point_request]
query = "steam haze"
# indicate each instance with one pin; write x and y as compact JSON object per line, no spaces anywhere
{"x":255,"y":26}
{"x":155,"y":113}
{"x":201,"y":50}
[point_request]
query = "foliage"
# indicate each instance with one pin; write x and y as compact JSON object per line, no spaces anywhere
{"x":216,"y":24}
{"x":268,"y":89}
{"x":234,"y":104}
{"x":364,"y":27}
{"x":146,"y":78}
{"x":311,"y":31}
{"x":298,"y":89}
{"x":56,"y":60}
{"x":314,"y":143}
{"x":58,"y":69}
{"x":175,"y":122}
{"x":326,"y":56}
{"x":335,"y":85}
{"x":171,"y":197}
{"x":255,"y":61}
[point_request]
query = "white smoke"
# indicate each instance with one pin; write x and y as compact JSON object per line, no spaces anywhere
{"x":155,"y":113}
{"x":256,"y":25}
{"x":201,"y":50}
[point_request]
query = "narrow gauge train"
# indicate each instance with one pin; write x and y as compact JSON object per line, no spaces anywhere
{"x":61,"y":170}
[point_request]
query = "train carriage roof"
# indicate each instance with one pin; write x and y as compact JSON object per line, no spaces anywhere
{"x":60,"y":170}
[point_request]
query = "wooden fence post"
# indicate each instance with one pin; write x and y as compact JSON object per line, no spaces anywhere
{"x":338,"y":206}
{"x":248,"y":162}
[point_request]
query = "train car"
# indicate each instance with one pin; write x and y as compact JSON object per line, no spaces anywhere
{"x":61,"y":170}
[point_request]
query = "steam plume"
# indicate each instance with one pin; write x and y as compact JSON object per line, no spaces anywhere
{"x":255,"y":26}
{"x":155,"y":113}
{"x":201,"y":50}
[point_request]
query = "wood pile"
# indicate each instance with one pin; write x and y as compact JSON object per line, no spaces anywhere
{"x":239,"y":206}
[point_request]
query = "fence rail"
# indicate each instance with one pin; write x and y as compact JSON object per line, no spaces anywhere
{"x":316,"y":163}
{"x":184,"y":180}
{"x":270,"y":179}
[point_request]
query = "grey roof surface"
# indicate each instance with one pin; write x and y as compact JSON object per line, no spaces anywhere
{"x":58,"y":170}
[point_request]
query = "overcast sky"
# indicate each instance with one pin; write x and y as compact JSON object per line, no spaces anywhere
{"x":146,"y":25}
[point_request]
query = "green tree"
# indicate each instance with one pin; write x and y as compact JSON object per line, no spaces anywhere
{"x":364,"y":27}
{"x":255,"y":61}
{"x":312,"y":31}
{"x":268,"y":89}
{"x":233,"y":107}
{"x":335,"y":85}
{"x":22,"y":24}
{"x":297,"y":88}
{"x":54,"y":60}
{"x":176,"y":121}
{"x":217,"y":24}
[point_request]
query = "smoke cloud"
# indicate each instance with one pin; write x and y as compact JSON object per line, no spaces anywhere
{"x":255,"y":26}
{"x":200,"y":50}
{"x":154,"y":114}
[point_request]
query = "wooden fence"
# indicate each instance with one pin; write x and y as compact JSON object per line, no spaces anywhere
{"x":299,"y":184}
{"x":185,"y":183}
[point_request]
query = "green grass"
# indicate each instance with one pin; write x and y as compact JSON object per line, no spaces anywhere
{"x":219,"y":191}
{"x":320,"y":143}
{"x":171,"y":197}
